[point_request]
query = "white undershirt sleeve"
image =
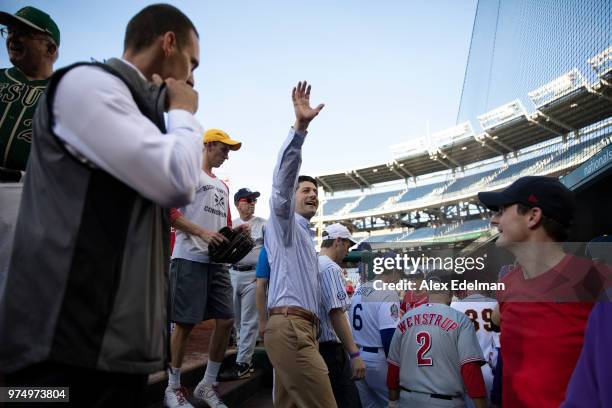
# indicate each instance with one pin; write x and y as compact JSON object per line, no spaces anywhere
{"x":96,"y":116}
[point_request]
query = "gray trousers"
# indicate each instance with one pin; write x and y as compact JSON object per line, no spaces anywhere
{"x":373,"y":391}
{"x":245,"y":313}
{"x":10,"y":197}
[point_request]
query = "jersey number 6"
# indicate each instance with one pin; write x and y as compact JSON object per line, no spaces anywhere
{"x":424,"y":341}
{"x":357,"y":322}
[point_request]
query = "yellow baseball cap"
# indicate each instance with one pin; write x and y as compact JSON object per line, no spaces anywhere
{"x":217,"y":135}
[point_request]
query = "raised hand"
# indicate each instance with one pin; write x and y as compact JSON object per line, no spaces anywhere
{"x":301,"y":104}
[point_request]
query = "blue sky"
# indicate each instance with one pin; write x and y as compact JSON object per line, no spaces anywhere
{"x":383,"y":69}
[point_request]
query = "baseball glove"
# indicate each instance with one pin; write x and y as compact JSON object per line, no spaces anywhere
{"x":239,"y":245}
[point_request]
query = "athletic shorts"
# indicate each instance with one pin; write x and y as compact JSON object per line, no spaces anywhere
{"x":199,"y":291}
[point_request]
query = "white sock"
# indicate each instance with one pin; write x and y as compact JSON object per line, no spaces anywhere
{"x":174,"y":378}
{"x":212,"y":370}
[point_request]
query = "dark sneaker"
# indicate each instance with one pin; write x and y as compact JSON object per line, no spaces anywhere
{"x":251,"y":367}
{"x":237,"y":372}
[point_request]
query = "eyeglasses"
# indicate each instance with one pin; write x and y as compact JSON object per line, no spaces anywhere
{"x":248,"y":200}
{"x":23,"y":33}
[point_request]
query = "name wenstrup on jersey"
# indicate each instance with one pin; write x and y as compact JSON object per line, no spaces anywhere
{"x":428,"y":319}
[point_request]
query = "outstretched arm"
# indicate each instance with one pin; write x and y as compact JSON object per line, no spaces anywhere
{"x":290,"y":159}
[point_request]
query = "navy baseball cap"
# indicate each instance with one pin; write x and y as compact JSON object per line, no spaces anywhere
{"x":245,"y":193}
{"x":548,"y":194}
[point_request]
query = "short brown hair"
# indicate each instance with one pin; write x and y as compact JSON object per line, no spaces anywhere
{"x":155,"y":20}
{"x":553,"y":228}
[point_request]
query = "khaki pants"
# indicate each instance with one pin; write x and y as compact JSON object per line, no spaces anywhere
{"x":301,"y":378}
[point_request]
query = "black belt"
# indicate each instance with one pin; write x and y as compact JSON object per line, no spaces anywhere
{"x":371,"y":349}
{"x":243,"y":268}
{"x":330,"y":344}
{"x":438,"y":396}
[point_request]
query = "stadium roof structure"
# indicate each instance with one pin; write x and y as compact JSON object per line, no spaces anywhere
{"x":564,"y":105}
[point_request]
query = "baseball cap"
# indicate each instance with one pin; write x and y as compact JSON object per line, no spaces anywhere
{"x":364,"y":246}
{"x":334,"y":231}
{"x":217,"y":135}
{"x":245,"y":193}
{"x":34,"y":18}
{"x":554,"y":199}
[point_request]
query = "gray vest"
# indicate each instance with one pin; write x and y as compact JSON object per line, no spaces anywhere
{"x":88,"y":274}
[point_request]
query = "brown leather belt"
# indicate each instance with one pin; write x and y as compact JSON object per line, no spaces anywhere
{"x":295,"y":311}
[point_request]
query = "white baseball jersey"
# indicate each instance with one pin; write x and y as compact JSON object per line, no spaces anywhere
{"x":430,"y":345}
{"x":479,"y":309}
{"x":371,"y":311}
{"x":257,"y":227}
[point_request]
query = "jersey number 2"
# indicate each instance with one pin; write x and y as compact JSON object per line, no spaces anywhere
{"x":424,"y":341}
{"x":357,"y":323}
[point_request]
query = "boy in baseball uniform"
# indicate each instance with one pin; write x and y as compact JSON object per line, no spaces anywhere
{"x":434,"y":356}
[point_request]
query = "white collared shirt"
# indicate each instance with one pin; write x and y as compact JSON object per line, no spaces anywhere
{"x":98,"y":120}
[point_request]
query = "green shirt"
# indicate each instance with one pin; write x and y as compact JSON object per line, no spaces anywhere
{"x":18,"y":99}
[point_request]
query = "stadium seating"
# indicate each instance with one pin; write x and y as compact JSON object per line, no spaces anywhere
{"x":418,"y":192}
{"x":517,"y":169}
{"x":372,"y":201}
{"x":578,"y":151}
{"x":385,"y":237}
{"x":546,"y":160}
{"x":462,"y":183}
{"x":472,"y":226}
{"x":420,"y":234}
{"x":334,"y":205}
